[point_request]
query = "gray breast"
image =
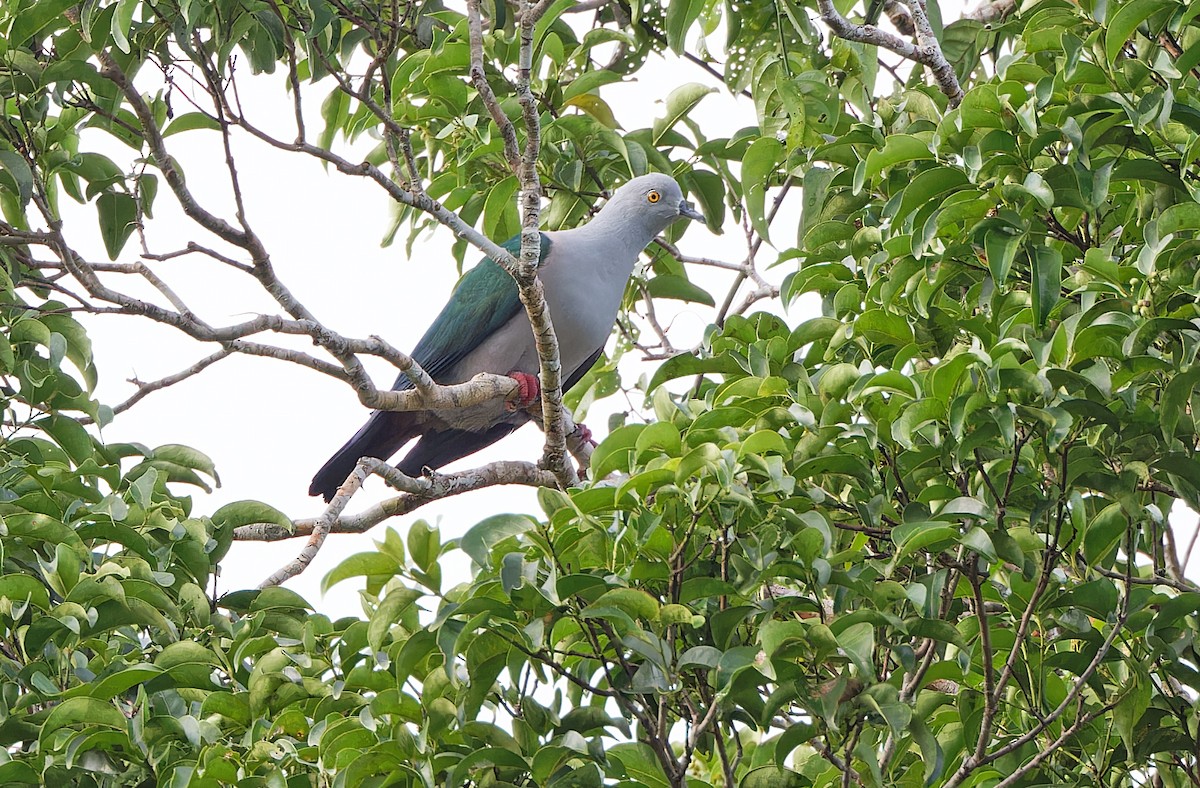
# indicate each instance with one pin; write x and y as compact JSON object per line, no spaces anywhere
{"x":584,"y":283}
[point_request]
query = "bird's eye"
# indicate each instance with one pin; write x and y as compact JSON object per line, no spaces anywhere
{"x":653,"y":196}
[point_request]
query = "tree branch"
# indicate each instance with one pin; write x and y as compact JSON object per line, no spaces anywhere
{"x":928,"y":53}
{"x":425,"y":490}
{"x":524,"y":272}
{"x":144,"y":389}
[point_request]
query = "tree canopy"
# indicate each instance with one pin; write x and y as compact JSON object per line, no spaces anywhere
{"x":922,"y":538}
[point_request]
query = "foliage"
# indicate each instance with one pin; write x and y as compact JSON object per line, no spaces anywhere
{"x":920,"y":539}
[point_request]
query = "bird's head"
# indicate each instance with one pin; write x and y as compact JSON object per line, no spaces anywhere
{"x":653,"y":200}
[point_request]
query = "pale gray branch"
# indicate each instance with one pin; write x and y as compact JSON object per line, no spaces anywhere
{"x":144,"y":388}
{"x":427,"y":489}
{"x":479,"y":79}
{"x":529,"y":286}
{"x":320,"y":528}
{"x":928,"y":53}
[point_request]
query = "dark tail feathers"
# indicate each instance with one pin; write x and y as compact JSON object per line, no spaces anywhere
{"x":381,"y":437}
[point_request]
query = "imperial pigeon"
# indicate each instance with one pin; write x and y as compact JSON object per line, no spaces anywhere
{"x":484,"y":328}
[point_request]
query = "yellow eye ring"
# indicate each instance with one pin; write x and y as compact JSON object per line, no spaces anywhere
{"x":653,"y":196}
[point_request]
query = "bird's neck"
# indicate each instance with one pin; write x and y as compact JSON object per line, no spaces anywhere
{"x":615,"y":229}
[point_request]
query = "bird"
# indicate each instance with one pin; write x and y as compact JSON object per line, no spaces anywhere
{"x":484,"y":329}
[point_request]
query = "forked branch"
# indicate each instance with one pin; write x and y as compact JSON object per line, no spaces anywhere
{"x":927,"y":51}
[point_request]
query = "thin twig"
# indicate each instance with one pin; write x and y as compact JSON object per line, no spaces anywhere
{"x":144,"y":389}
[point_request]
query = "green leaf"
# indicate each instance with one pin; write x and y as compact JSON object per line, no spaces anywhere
{"x":22,"y":589}
{"x":188,"y":457}
{"x":884,"y":698}
{"x":686,"y":364}
{"x":70,"y":435}
{"x":858,"y":641}
{"x":681,"y":14}
{"x":660,"y":436}
{"x":486,"y":758}
{"x":239,"y":513}
{"x":889,"y":381}
{"x":679,"y":104}
{"x":911,"y":537}
{"x":773,"y":777}
{"x":1170,"y":611}
{"x":117,"y":212}
{"x":390,"y":609}
{"x":759,"y":163}
{"x":1130,"y":709}
{"x":424,"y":544}
{"x":702,"y":656}
{"x":1104,"y":534}
{"x":1181,"y":216}
{"x":227,"y":704}
{"x":1176,"y":397}
{"x":484,"y":535}
{"x":500,"y":212}
{"x":121,"y":22}
{"x":595,"y":106}
{"x":709,"y":191}
{"x":883,"y":328}
{"x":638,"y":762}
{"x":764,"y":442}
{"x":633,"y":602}
{"x":190,"y":121}
{"x":1000,"y":244}
{"x":1125,"y":21}
{"x":929,"y":185}
{"x":932,"y":754}
{"x":34,"y":17}
{"x":702,"y":458}
{"x":360,"y":565}
{"x":116,"y":684}
{"x":916,"y":415}
{"x":898,"y":149}
{"x":616,"y":451}
{"x":588,"y":82}
{"x":816,"y":186}
{"x":14,"y":166}
{"x":82,"y":711}
{"x":278,"y":598}
{"x":935,"y":629}
{"x":18,"y":773}
{"x":334,"y":111}
{"x":678,"y":288}
{"x":1047,"y":281}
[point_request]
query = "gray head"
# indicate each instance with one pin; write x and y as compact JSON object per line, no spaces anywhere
{"x":648,"y":203}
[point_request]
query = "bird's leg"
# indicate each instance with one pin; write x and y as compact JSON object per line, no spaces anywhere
{"x":529,"y":390}
{"x":584,"y":434}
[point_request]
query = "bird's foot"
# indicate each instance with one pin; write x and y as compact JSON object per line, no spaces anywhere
{"x":585,"y":435}
{"x":529,"y":390}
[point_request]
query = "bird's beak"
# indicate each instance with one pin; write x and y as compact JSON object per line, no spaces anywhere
{"x":686,"y":209}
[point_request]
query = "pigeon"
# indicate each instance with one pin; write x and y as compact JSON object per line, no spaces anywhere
{"x":484,"y":328}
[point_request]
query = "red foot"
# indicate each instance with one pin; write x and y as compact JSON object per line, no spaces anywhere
{"x":528,"y":390}
{"x":585,"y":435}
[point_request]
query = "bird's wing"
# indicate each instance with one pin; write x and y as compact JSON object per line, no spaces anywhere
{"x":482,"y":302}
{"x":577,"y":374}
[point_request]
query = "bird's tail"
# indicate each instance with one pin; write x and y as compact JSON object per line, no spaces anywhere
{"x":381,"y":437}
